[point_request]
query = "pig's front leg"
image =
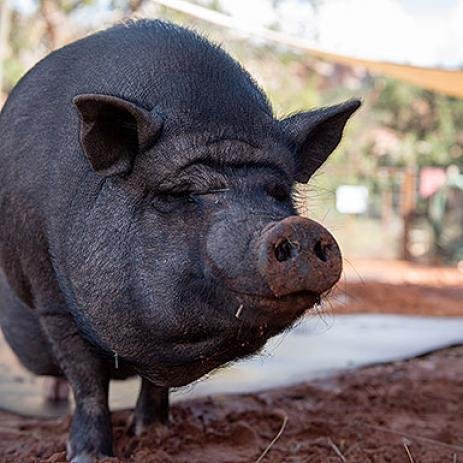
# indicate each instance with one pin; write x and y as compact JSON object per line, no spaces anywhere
{"x":91,"y":434}
{"x":152,"y":407}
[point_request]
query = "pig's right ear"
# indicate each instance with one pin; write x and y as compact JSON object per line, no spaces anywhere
{"x":113,"y":131}
{"x":315,"y":134}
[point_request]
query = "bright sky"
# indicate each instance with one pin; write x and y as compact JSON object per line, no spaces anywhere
{"x":421,"y":32}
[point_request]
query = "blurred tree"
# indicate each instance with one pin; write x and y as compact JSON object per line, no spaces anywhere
{"x":5,"y":26}
{"x":429,"y":125}
{"x":28,"y":35}
{"x":127,"y":7}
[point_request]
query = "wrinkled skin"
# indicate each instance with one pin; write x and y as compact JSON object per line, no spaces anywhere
{"x":147,"y":218}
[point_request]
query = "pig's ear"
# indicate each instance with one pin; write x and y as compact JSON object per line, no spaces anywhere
{"x":316,"y":134}
{"x":113,"y":131}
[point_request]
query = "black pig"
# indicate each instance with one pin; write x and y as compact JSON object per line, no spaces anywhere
{"x":147,"y":225}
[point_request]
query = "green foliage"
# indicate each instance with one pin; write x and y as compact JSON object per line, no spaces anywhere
{"x":13,"y":72}
{"x":429,"y":125}
{"x":68,"y":6}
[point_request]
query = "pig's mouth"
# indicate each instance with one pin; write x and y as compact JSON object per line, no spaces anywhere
{"x":279,"y":311}
{"x":297,"y":298}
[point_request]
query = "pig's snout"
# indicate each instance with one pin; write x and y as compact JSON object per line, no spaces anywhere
{"x":298,"y":254}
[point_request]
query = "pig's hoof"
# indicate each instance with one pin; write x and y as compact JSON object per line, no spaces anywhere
{"x":87,"y":458}
{"x":55,"y":389}
{"x":83,"y":457}
{"x":138,"y":426}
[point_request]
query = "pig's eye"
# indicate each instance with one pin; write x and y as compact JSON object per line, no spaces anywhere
{"x":169,"y":202}
{"x":279,"y":192}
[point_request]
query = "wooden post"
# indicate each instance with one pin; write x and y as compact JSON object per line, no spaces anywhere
{"x":408,"y":203}
{"x":386,"y":207}
{"x":386,"y":200}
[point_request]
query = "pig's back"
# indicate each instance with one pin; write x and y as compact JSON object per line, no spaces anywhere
{"x":194,"y":85}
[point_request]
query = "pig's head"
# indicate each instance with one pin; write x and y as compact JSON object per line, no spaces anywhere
{"x":190,"y":252}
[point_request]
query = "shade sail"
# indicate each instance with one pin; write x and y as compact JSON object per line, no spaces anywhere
{"x":437,"y":80}
{"x":448,"y":82}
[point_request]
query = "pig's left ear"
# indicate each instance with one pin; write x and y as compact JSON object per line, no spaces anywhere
{"x":316,"y":134}
{"x":113,"y":131}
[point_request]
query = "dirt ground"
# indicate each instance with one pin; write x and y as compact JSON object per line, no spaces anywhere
{"x":398,"y":287}
{"x":409,"y":411}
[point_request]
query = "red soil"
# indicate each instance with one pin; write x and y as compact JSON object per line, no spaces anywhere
{"x":376,"y":414}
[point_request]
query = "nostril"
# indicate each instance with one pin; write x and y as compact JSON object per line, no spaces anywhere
{"x":321,"y":250}
{"x":285,"y":250}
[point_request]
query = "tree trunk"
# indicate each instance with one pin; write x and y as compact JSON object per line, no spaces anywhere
{"x":5,"y":26}
{"x":51,"y":18}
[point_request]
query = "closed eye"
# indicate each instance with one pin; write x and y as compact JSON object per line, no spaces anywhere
{"x":210,"y":192}
{"x":187,"y":194}
{"x":183,"y":193}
